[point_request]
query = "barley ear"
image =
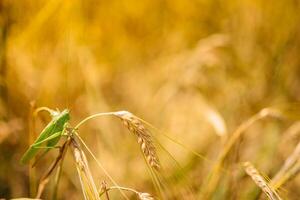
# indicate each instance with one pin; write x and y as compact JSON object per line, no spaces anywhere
{"x":260,"y":181}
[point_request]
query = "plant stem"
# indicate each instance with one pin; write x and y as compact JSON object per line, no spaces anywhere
{"x":92,"y":117}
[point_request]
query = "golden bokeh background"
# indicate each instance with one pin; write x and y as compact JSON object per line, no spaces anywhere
{"x":194,"y":69}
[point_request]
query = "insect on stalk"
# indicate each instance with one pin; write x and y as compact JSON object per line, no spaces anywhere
{"x":50,"y":135}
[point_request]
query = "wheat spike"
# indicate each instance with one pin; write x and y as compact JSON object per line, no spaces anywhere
{"x":260,"y":181}
{"x":144,"y":139}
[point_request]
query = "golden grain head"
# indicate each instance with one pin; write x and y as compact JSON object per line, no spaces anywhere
{"x":144,"y":138}
{"x":260,"y":181}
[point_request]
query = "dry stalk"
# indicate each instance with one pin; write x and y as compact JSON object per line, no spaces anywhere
{"x":87,"y":182}
{"x":266,"y":112}
{"x":260,"y":181}
{"x":136,"y":127}
{"x":285,"y":177}
{"x":45,"y":179}
{"x":292,"y":132}
{"x":31,"y":138}
{"x":216,"y":172}
{"x":288,"y":164}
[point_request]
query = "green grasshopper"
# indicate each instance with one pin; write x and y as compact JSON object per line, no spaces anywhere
{"x":50,"y":135}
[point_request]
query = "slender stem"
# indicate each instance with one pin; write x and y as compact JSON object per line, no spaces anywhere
{"x":106,"y":194}
{"x":119,"y":188}
{"x":99,"y":164}
{"x":294,"y":170}
{"x":104,"y":188}
{"x":32,"y":170}
{"x":92,"y":117}
{"x":57,"y":177}
{"x":45,"y":179}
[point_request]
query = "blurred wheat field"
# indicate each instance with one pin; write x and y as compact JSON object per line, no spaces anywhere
{"x":222,"y":78}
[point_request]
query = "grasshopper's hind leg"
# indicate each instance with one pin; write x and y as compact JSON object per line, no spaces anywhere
{"x":37,"y":144}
